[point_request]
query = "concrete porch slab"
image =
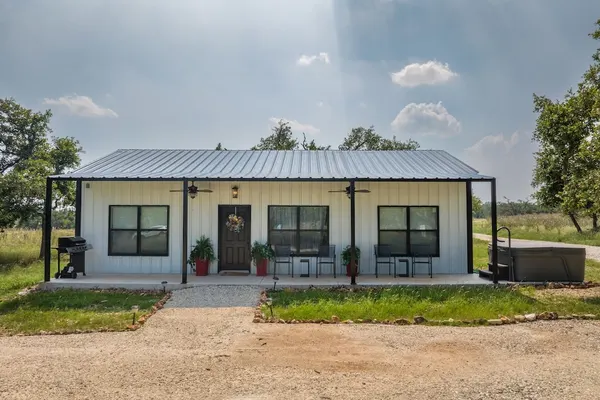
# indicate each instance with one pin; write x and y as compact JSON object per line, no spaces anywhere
{"x":153,"y":281}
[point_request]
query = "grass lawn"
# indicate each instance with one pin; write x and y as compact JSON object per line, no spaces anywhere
{"x":432,"y":302}
{"x":545,"y":227}
{"x":65,"y":311}
{"x":61,"y":311}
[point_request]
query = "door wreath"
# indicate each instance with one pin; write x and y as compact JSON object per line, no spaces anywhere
{"x":235,"y":223}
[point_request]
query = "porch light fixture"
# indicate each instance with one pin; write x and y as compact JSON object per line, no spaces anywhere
{"x":234,"y":192}
{"x":193,"y":191}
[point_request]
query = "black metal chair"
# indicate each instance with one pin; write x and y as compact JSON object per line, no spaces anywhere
{"x":422,"y":255}
{"x":326,"y":255}
{"x":383,"y":255}
{"x":283,"y":255}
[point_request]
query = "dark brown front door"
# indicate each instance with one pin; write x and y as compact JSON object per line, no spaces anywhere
{"x":234,"y":247}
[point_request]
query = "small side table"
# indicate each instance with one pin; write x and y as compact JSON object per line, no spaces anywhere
{"x":406,"y":264}
{"x":307,"y":262}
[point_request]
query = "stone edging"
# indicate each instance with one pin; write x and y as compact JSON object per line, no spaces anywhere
{"x":260,"y":317}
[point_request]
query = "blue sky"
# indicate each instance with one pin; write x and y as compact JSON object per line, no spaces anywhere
{"x":452,"y":74}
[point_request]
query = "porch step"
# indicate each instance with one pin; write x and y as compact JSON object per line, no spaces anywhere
{"x":502,"y":272}
{"x":241,"y":272}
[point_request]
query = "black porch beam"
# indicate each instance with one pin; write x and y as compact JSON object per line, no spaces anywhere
{"x":184,"y":234}
{"x":494,"y":232}
{"x":78,"y":208}
{"x":47,"y":233}
{"x":469,"y":227}
{"x":353,"y":268}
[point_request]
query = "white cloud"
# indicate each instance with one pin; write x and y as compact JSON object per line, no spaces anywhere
{"x":426,"y":119}
{"x":362,"y":104}
{"x":509,"y":158}
{"x":296,"y":126}
{"x":429,"y":73}
{"x":82,"y":106}
{"x":306,"y":60}
{"x":320,"y":104}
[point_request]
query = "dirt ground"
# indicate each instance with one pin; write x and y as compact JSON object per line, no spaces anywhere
{"x":220,"y":354}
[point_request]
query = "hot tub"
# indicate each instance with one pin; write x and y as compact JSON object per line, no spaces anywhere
{"x":541,"y":262}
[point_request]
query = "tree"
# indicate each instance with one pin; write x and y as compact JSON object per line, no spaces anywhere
{"x":361,"y":138}
{"x":561,"y":128}
{"x":282,"y":138}
{"x":27,"y":157}
{"x":477,"y":206}
{"x":566,"y":165}
{"x":312,"y":145}
{"x":220,"y":147}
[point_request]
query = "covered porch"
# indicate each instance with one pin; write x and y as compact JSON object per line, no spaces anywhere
{"x":173,"y":281}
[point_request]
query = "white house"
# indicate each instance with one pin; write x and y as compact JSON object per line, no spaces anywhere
{"x":132,"y":207}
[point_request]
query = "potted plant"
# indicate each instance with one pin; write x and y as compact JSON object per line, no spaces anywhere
{"x":201,"y":256}
{"x":346,"y":257}
{"x":261,"y":253}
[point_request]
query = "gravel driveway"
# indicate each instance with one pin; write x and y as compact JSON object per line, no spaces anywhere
{"x":215,"y":296}
{"x":218,"y":353}
{"x":591,"y":252}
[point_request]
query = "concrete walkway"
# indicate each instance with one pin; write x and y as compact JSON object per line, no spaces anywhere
{"x":591,"y":252}
{"x":173,"y":281}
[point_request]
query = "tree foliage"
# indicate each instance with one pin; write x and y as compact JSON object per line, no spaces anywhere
{"x":566,"y":171}
{"x":282,"y":138}
{"x":361,"y":138}
{"x":28,"y":154}
{"x":477,"y":207}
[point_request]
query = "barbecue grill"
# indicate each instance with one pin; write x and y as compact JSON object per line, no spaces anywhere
{"x":75,"y":247}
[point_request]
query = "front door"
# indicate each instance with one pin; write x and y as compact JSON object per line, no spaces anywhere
{"x":234,"y":247}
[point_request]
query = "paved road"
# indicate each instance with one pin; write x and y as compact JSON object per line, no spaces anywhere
{"x":591,"y":252}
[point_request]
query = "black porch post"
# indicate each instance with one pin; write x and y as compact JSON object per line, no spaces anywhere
{"x":353,"y":268}
{"x":494,"y":232}
{"x":78,"y":208}
{"x":184,"y":234}
{"x":47,"y":229}
{"x":469,"y":227}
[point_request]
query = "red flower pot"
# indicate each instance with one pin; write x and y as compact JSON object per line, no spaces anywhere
{"x":202,"y":267}
{"x":349,"y":269}
{"x":261,"y":267}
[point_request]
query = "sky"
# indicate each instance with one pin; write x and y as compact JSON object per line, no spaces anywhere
{"x":456,"y":75}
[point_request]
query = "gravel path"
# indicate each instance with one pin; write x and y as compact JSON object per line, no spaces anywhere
{"x":215,"y":296}
{"x":591,"y":252}
{"x":218,"y":353}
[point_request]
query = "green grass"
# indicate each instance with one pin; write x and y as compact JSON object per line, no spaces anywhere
{"x":20,"y":266}
{"x":480,"y":254}
{"x":15,"y":278}
{"x":66,"y":311}
{"x":432,"y":302}
{"x":20,"y":247}
{"x":545,"y":227}
{"x":61,"y":311}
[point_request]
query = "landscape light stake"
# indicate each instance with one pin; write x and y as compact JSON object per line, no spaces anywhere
{"x":164,"y":283}
{"x":275,"y":279}
{"x":135,"y":310}
{"x":270,"y":304}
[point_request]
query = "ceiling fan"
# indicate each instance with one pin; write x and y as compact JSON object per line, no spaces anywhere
{"x":193,"y":190}
{"x":347,"y":191}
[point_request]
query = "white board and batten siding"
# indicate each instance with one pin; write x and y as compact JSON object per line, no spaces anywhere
{"x":97,"y":196}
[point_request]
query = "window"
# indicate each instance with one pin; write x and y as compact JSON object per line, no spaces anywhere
{"x":410,"y":230}
{"x":138,"y":231}
{"x":304,"y":228}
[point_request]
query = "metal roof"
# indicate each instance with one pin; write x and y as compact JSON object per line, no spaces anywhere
{"x":146,"y":164}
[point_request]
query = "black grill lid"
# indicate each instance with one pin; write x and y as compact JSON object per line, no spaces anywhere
{"x":71,"y":241}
